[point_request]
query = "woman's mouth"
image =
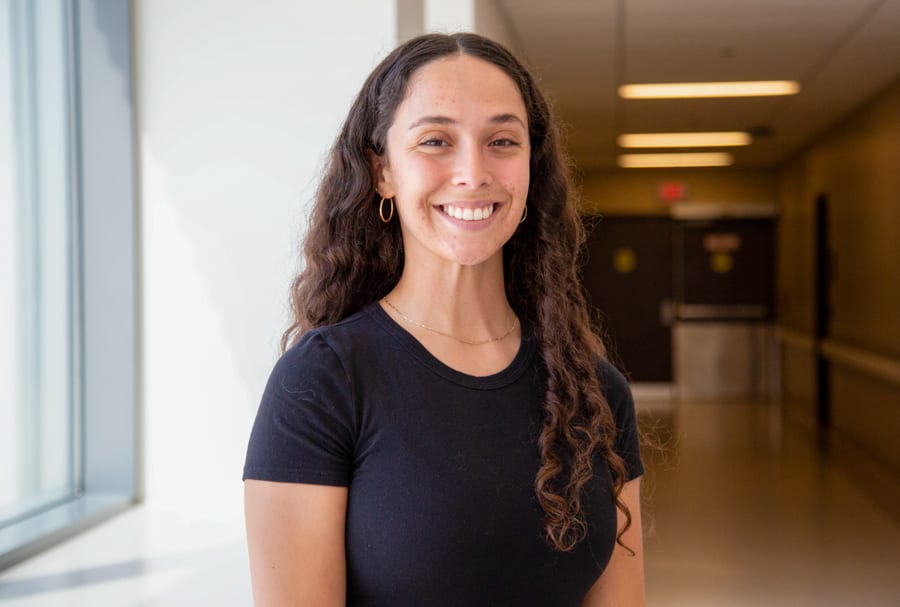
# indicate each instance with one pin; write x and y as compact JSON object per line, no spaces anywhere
{"x":467,"y":213}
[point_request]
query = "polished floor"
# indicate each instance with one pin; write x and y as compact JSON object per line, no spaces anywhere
{"x":744,"y":510}
{"x":741,"y":509}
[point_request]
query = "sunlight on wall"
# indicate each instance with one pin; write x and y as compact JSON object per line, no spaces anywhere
{"x":238,"y":105}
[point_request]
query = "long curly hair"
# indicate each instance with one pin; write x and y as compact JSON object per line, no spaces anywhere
{"x":353,"y":259}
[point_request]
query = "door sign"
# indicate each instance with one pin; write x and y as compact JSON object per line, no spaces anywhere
{"x":624,"y":260}
{"x":721,"y":262}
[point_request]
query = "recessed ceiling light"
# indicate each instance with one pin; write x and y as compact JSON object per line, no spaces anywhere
{"x":679,"y":90}
{"x":705,"y":159}
{"x":683,"y":140}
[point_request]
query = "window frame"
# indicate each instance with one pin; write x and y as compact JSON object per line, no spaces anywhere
{"x":105,"y":228}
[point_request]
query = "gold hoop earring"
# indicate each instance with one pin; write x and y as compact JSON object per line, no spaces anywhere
{"x":525,"y":214}
{"x":381,"y":210}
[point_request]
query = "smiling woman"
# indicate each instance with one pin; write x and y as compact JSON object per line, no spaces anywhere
{"x":442,"y":428}
{"x":456,"y":164}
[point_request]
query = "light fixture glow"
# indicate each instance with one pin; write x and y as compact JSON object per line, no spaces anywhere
{"x":683,"y":140}
{"x":682,"y":90}
{"x":702,"y":159}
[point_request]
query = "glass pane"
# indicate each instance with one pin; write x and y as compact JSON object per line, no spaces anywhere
{"x":37,"y":445}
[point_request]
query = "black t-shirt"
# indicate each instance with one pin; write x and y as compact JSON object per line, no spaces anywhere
{"x":440,"y":467}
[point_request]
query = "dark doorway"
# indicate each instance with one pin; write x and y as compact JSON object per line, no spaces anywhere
{"x":628,"y":279}
{"x":823,"y":276}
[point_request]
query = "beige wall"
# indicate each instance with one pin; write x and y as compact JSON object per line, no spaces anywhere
{"x":857,"y":165}
{"x":634,"y":192}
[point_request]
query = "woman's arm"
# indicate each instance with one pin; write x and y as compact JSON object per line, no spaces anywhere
{"x":622,"y":582}
{"x":295,"y":533}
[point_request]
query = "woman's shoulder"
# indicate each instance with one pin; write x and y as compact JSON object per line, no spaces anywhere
{"x":331,"y":340}
{"x":621,"y":403}
{"x":340,"y":349}
{"x":613,"y":382}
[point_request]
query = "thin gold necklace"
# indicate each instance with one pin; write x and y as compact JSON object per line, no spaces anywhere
{"x":512,"y":328}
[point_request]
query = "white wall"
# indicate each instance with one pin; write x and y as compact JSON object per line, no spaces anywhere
{"x":238,"y":102}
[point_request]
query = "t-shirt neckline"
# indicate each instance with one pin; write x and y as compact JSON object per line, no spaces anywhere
{"x":414,"y":347}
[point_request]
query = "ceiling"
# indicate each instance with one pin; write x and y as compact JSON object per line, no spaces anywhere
{"x":842,"y":52}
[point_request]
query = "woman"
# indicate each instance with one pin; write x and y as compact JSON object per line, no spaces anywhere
{"x":442,"y":429}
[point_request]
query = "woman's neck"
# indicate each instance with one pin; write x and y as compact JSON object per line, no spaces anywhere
{"x":467,"y":302}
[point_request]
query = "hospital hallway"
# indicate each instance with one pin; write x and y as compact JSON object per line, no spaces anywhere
{"x":742,"y":508}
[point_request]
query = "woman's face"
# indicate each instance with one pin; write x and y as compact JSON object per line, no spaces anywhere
{"x":456,"y":162}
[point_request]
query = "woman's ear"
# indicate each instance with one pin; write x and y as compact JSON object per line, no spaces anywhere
{"x":381,"y":172}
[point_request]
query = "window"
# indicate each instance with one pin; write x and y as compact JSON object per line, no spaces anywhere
{"x":68,"y":324}
{"x":37,"y":441}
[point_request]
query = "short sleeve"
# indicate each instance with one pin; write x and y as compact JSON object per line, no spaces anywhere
{"x":304,"y":427}
{"x":618,"y":395}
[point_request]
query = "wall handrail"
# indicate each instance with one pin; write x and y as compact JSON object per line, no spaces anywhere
{"x":877,"y":365}
{"x":886,"y":368}
{"x":721,"y":312}
{"x":794,"y":338}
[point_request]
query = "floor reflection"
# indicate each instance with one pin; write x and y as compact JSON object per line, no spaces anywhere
{"x":743,"y":509}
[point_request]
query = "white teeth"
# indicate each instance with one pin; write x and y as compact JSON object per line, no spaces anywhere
{"x":467,"y":214}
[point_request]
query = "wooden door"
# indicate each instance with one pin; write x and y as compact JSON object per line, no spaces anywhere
{"x":628,"y":279}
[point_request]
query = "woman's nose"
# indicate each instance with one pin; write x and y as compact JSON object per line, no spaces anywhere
{"x":470,"y":167}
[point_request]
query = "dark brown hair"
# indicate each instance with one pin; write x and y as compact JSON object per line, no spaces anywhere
{"x":353,"y":259}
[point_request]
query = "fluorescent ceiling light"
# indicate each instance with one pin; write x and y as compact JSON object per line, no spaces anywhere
{"x":706,"y":159}
{"x":683,"y":140}
{"x":679,"y":90}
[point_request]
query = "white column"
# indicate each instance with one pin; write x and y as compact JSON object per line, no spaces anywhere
{"x":480,"y":16}
{"x":238,"y":104}
{"x":448,"y":16}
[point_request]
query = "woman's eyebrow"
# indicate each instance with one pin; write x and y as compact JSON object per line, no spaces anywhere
{"x":446,"y":120}
{"x":432,"y":120}
{"x":507,"y":118}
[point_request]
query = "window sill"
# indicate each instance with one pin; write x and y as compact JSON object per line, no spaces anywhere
{"x":24,"y":539}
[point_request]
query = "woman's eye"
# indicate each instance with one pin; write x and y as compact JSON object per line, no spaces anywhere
{"x":434,"y":142}
{"x":504,"y":143}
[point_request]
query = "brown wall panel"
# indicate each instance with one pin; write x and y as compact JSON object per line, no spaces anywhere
{"x":857,"y":166}
{"x":797,"y":380}
{"x":867,"y":412}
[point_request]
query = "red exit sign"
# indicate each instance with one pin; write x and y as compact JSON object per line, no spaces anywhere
{"x":672,"y":191}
